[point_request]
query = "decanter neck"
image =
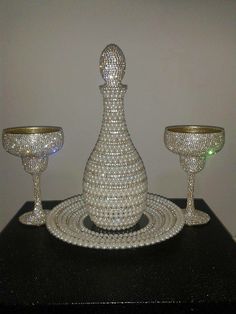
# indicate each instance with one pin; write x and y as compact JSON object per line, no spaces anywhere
{"x":113,"y":110}
{"x":113,"y":92}
{"x":113,"y":102}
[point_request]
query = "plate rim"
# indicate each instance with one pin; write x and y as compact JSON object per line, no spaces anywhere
{"x":64,"y":205}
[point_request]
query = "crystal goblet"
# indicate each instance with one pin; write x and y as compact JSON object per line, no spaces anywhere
{"x":33,"y":144}
{"x":194,"y":144}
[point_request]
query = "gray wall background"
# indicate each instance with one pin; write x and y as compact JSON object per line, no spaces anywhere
{"x":180,"y":70}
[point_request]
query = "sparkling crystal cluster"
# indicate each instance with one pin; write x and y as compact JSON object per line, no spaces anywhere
{"x":194,"y":144}
{"x":115,"y":182}
{"x":32,"y":141}
{"x":194,"y":140}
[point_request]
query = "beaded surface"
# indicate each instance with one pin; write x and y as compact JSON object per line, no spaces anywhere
{"x":66,"y":222}
{"x":115,"y":182}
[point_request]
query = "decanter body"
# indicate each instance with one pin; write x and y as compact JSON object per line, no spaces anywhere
{"x":115,"y":182}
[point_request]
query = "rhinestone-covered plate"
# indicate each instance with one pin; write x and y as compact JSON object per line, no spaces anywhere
{"x":67,"y":222}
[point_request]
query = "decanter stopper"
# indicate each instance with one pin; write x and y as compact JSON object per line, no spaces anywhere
{"x":112,"y":65}
{"x":115,"y":182}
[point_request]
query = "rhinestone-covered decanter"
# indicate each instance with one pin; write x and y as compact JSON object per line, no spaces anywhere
{"x":115,"y":182}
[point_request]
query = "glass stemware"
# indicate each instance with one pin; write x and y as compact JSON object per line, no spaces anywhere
{"x":33,"y":144}
{"x":194,"y":144}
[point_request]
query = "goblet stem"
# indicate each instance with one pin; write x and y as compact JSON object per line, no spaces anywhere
{"x":190,"y":194}
{"x":38,"y":209}
{"x":35,"y":166}
{"x":192,"y":215}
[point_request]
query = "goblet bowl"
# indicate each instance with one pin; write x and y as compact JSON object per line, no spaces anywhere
{"x":194,"y":140}
{"x":32,"y":141}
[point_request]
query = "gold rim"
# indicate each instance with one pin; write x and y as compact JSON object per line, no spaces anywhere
{"x":32,"y":130}
{"x":194,"y":129}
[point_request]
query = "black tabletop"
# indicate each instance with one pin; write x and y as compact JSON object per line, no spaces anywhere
{"x":194,"y":271}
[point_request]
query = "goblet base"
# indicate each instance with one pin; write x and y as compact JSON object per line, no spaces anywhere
{"x":196,"y":218}
{"x":34,"y":219}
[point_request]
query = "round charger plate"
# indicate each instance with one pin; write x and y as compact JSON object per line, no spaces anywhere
{"x":69,"y":222}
